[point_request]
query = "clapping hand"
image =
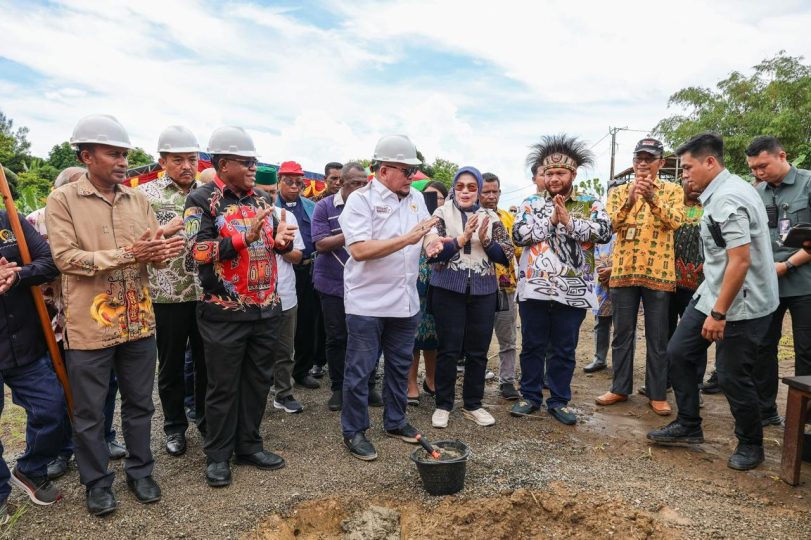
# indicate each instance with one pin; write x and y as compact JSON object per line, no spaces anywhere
{"x":285,"y":232}
{"x":644,"y":186}
{"x":173,"y":227}
{"x":561,"y":215}
{"x":420,"y":229}
{"x":256,"y":228}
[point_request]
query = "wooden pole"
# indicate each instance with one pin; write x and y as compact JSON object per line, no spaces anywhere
{"x":36,"y":293}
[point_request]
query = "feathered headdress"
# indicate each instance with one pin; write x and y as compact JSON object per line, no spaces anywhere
{"x":559,"y":152}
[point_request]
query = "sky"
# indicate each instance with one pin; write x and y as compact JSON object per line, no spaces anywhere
{"x":473,"y":82}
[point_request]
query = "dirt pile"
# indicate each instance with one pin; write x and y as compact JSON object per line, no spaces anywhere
{"x":554,"y":513}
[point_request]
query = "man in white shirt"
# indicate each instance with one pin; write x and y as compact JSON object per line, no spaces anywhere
{"x":385,"y":225}
{"x":283,"y":360}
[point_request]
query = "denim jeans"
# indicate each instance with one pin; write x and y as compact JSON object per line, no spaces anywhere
{"x":625,"y":301}
{"x":35,"y":388}
{"x":553,"y":327}
{"x":366,"y":337}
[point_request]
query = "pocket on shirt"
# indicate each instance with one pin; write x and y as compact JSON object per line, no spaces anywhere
{"x":799,"y":212}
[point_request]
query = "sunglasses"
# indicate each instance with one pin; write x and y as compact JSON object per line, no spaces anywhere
{"x":648,"y":160}
{"x":293,"y":182}
{"x":473,"y":188}
{"x":247,"y":163}
{"x":407,"y":171}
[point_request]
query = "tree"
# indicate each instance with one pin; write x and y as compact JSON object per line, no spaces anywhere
{"x":774,"y":100}
{"x":443,"y":171}
{"x":63,"y":156}
{"x":138,"y":156}
{"x":14,"y":145}
{"x":591,"y":186}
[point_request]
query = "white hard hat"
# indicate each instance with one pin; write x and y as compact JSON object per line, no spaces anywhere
{"x":100,"y":129}
{"x":231,"y":140}
{"x":177,"y":139}
{"x":396,"y":149}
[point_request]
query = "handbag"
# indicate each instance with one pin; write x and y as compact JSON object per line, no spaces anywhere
{"x":502,"y":300}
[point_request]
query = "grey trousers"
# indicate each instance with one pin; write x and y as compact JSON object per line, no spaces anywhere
{"x":626,"y":308}
{"x":89,"y":373}
{"x":505,"y":331}
{"x":283,"y":354}
{"x":602,"y":337}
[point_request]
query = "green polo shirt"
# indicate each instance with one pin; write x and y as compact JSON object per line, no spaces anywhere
{"x":736,"y":208}
{"x":792,"y":197}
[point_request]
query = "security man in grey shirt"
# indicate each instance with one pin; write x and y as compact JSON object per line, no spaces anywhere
{"x":733,"y":307}
{"x":786,"y":193}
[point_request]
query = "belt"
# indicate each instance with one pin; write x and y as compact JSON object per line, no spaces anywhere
{"x":303,"y":263}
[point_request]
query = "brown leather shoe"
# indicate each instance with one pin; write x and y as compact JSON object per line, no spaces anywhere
{"x":609,"y":398}
{"x":662,"y":408}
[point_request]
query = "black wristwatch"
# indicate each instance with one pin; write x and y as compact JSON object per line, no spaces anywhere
{"x":789,"y":265}
{"x":718,"y":316}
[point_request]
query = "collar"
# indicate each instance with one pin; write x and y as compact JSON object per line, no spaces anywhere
{"x":791,"y":177}
{"x":385,"y":192}
{"x":222,"y":187}
{"x":166,"y":181}
{"x":86,"y":188}
{"x":713,"y":186}
{"x":289,"y":204}
{"x":338,"y":199}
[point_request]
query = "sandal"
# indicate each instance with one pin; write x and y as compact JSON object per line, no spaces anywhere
{"x":413,"y":401}
{"x":427,"y":390}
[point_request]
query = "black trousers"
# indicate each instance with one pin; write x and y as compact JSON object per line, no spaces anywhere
{"x":736,"y":361}
{"x":89,"y":372}
{"x":334,"y":316}
{"x":310,"y":335}
{"x":767,"y":376}
{"x":176,"y":325}
{"x":239,"y":362}
{"x":464,"y":326}
{"x":679,"y":301}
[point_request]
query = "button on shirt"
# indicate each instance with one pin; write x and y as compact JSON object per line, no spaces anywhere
{"x":286,"y":285}
{"x":328,"y":273}
{"x":385,"y":287}
{"x":792,"y":199}
{"x":105,"y":290}
{"x":177,"y":282}
{"x":741,"y":217}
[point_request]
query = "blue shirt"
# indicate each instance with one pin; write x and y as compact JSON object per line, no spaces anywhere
{"x":303,"y":210}
{"x":328,"y":271}
{"x":734,"y":208}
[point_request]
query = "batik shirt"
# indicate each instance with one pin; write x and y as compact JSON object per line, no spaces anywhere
{"x":602,"y":259}
{"x":689,"y":255}
{"x":557,"y":263}
{"x":178,"y":281}
{"x":238,"y":280}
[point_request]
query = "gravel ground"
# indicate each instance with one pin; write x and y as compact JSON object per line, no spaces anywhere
{"x":603,"y":460}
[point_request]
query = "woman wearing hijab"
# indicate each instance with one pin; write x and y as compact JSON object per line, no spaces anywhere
{"x":463,"y":294}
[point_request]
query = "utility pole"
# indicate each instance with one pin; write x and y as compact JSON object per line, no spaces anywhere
{"x":613,"y":132}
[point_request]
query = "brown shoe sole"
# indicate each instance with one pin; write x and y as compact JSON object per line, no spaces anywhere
{"x":612,"y":401}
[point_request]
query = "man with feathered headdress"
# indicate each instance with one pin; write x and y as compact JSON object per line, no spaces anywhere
{"x":556,"y":279}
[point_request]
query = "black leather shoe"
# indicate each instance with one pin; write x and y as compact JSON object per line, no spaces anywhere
{"x":264,"y":460}
{"x":336,"y":400}
{"x":711,"y":386}
{"x":407,"y":433}
{"x":176,"y":444}
{"x":218,"y":474}
{"x":146,"y":490}
{"x":58,"y":467}
{"x":746,"y":456}
{"x":318,"y":372}
{"x":508,"y":391}
{"x":677,"y":433}
{"x":374,"y":398}
{"x":308,"y":382}
{"x":116,"y":450}
{"x":360,"y":447}
{"x":596,"y":365}
{"x":101,"y":501}
{"x":773,"y":420}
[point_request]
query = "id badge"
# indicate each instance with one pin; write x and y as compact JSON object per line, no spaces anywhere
{"x":630,"y":233}
{"x":783,"y":227}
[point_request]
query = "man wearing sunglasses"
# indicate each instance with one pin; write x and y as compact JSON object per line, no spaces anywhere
{"x":310,"y":338}
{"x":385,"y":224}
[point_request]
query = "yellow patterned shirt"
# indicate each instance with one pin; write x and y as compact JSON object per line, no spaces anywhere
{"x":644,"y":254}
{"x":505,"y":275}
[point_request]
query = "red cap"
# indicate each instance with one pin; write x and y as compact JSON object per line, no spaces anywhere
{"x":290,"y":167}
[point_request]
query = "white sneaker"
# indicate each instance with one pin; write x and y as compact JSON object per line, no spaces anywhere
{"x":440,"y":418}
{"x":480,"y":416}
{"x":489,"y":375}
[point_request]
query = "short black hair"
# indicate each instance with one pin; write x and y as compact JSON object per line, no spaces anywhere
{"x":439,"y":186}
{"x":764,"y":143}
{"x":703,"y":145}
{"x":81,"y":148}
{"x":490,"y":177}
{"x":534,"y":168}
{"x":332,"y":165}
{"x":350,"y":166}
{"x":215,"y":161}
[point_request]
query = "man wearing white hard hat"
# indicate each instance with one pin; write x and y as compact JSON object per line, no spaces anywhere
{"x":176,"y":289}
{"x":103,"y":235}
{"x":385,"y":225}
{"x":235,"y":238}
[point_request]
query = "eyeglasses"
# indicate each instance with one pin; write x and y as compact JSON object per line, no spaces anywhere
{"x":247,"y":163}
{"x":407,"y":171}
{"x":293,"y":182}
{"x":473,"y":188}
{"x":648,"y":160}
